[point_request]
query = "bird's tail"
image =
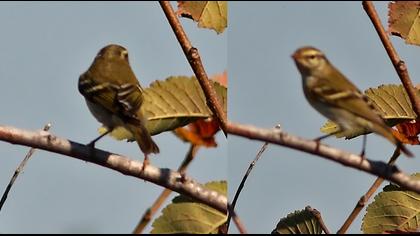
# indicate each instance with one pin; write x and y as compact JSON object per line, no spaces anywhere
{"x":387,"y":133}
{"x":143,"y":138}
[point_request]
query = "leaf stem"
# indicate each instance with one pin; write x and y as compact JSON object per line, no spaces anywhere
{"x":318,"y":217}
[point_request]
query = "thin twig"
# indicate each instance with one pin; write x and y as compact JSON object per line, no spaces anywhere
{"x":399,"y":64}
{"x":151,"y":211}
{"x":365,"y":198}
{"x":194,"y":59}
{"x":242,"y":184}
{"x":377,"y":168}
{"x":236,"y":220}
{"x":160,"y":176}
{"x":18,"y":170}
{"x":318,"y":217}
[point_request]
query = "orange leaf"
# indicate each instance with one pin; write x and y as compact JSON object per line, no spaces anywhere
{"x":221,"y":78}
{"x":191,"y":9}
{"x":200,"y":132}
{"x":407,"y":132}
{"x":404,"y":20}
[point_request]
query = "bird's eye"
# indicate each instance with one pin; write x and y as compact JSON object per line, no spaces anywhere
{"x":312,"y":57}
{"x":124,"y":54}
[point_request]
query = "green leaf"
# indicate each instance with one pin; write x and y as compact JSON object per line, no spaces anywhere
{"x":186,"y":216}
{"x":391,"y":101}
{"x":172,"y":103}
{"x":394,"y":209}
{"x":404,"y":20}
{"x":208,"y":14}
{"x":298,"y":222}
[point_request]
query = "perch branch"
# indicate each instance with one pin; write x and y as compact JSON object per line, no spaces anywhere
{"x":377,"y":168}
{"x":163,"y":177}
{"x":399,"y":64}
{"x":194,"y":59}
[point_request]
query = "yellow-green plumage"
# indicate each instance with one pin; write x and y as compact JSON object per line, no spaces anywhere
{"x":114,"y":95}
{"x":335,"y":97}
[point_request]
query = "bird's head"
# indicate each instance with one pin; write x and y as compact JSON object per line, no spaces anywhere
{"x":113,"y":51}
{"x":309,"y":60}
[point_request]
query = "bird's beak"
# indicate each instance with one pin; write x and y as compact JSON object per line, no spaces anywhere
{"x":294,"y":56}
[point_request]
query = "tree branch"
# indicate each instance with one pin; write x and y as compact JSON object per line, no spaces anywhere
{"x":163,"y":177}
{"x":194,"y":59}
{"x":377,"y":168}
{"x":362,"y":201}
{"x":399,"y":64}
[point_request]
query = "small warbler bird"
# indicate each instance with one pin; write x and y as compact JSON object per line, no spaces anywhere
{"x":335,"y":97}
{"x":114,"y":96}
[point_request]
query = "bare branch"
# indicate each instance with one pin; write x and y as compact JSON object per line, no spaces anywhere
{"x":163,"y":177}
{"x":399,"y":64}
{"x":148,"y":215}
{"x":377,"y":168}
{"x":242,"y":184}
{"x":18,"y":170}
{"x":362,"y":201}
{"x":194,"y":59}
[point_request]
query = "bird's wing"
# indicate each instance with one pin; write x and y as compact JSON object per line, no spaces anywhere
{"x":124,"y":99}
{"x":342,"y":94}
{"x":130,"y":98}
{"x":103,"y":93}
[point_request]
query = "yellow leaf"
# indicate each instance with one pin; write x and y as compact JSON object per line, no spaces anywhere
{"x":208,"y":14}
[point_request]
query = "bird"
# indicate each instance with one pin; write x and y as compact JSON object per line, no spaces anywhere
{"x":114,"y":96}
{"x":330,"y":93}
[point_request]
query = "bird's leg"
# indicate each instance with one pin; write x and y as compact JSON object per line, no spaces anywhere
{"x":92,"y":143}
{"x":323,"y":137}
{"x":362,"y":153}
{"x":317,"y":140}
{"x":145,"y":162}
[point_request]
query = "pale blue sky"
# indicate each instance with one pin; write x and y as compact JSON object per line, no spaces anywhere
{"x":265,"y":89}
{"x":45,"y":47}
